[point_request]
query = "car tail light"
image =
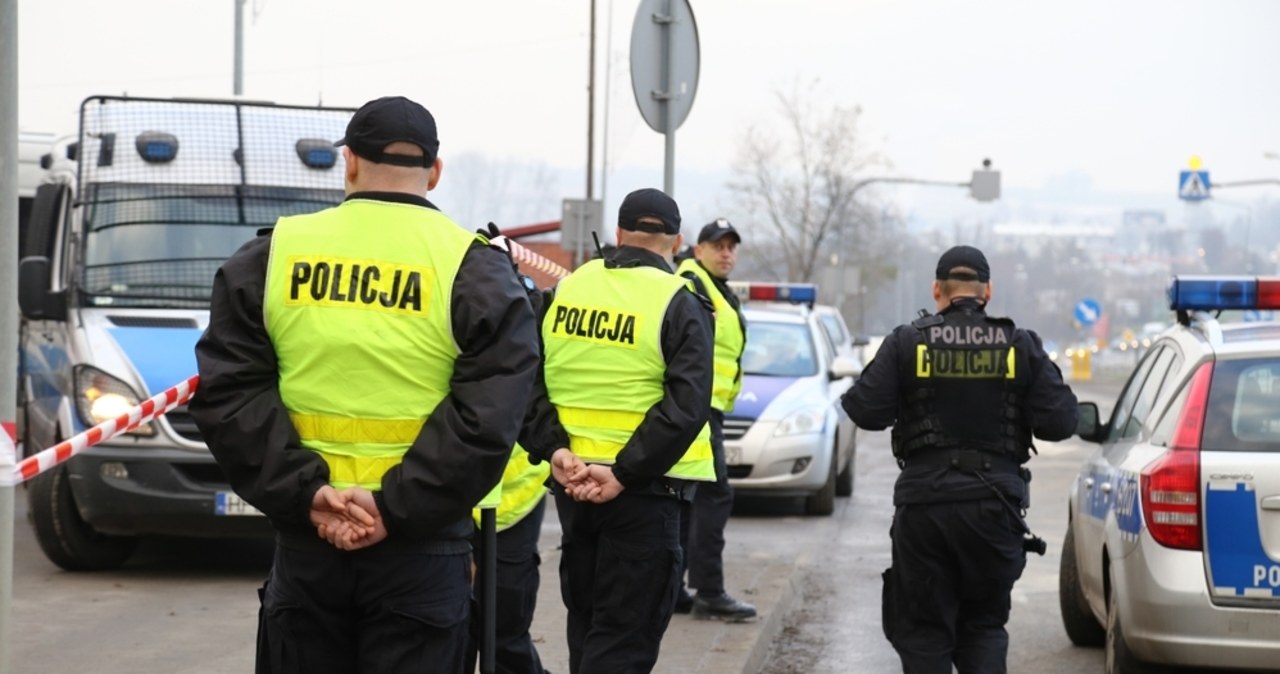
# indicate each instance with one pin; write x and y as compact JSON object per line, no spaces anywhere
{"x":1171,"y":483}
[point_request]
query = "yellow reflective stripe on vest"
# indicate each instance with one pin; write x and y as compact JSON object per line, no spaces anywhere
{"x":356,"y":431}
{"x":611,"y":419}
{"x":696,"y":464}
{"x":358,"y":471}
{"x":521,"y":490}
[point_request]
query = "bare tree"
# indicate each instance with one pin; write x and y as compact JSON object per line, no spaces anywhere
{"x":798,"y":182}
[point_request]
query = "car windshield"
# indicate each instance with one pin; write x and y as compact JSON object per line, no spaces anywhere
{"x":160,"y":245}
{"x":779,"y":350}
{"x":1244,"y":407}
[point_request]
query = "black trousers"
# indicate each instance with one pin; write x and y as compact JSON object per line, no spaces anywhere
{"x":390,"y":608}
{"x":702,"y":532}
{"x":947,"y":598}
{"x":619,"y":573}
{"x":517,"y":583}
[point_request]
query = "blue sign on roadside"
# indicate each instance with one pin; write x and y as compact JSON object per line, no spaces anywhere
{"x":1088,"y":311}
{"x":1193,"y":185}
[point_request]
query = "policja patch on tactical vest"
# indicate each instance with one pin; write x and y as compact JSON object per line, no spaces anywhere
{"x":601,"y":326}
{"x":368,"y":284}
{"x":956,"y":352}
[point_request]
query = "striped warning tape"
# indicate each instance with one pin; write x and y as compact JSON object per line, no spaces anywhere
{"x":523,"y":255}
{"x":134,"y":417}
{"x":8,"y":450}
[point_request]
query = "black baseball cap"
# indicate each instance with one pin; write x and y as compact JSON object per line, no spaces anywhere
{"x":392,"y":119}
{"x":963,"y":256}
{"x":717,"y":230}
{"x":652,"y":203}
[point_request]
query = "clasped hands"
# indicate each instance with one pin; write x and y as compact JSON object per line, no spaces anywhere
{"x":582,"y":481}
{"x":348,"y":519}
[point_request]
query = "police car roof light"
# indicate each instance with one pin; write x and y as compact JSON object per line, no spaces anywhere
{"x":1216,"y":293}
{"x":317,"y":153}
{"x":156,"y":147}
{"x":806,"y":293}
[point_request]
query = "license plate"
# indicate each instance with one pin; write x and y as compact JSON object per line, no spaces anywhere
{"x":228,"y":503}
{"x":732,"y":455}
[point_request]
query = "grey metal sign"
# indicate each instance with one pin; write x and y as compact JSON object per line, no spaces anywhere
{"x":578,"y":219}
{"x":664,"y":62}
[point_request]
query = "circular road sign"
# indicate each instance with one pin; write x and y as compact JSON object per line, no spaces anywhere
{"x":664,"y":62}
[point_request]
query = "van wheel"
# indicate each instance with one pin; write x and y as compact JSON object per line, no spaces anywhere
{"x":823,"y":501}
{"x":844,"y":480}
{"x":67,"y":540}
{"x":1120,"y":660}
{"x":1082,"y":628}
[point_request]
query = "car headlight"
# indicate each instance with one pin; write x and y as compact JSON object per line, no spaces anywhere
{"x":100,"y":397}
{"x":803,"y":421}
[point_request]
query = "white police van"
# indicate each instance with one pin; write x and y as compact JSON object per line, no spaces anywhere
{"x":787,"y":434}
{"x":1172,"y":551}
{"x":120,"y":247}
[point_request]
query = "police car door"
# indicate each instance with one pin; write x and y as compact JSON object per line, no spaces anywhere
{"x":1240,"y":472}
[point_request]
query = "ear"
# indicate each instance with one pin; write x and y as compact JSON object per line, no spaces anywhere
{"x":937,"y":291}
{"x":436,"y":169}
{"x":678,"y":245}
{"x":350,"y":161}
{"x":986,"y":294}
{"x":619,"y":236}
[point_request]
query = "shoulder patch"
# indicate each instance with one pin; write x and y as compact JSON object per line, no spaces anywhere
{"x":926,"y":321}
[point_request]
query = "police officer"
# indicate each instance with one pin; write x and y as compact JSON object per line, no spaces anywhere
{"x":702,"y":532}
{"x":628,"y":358}
{"x":357,"y":377}
{"x":965,"y":393}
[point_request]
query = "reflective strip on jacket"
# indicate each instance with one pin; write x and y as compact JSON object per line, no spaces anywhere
{"x":358,"y":309}
{"x":604,"y":362}
{"x":523,"y":487}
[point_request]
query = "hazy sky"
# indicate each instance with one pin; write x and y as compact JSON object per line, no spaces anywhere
{"x":1109,"y":96}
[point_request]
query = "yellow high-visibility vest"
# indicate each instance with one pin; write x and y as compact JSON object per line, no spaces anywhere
{"x":730,"y":340}
{"x":523,"y":487}
{"x":358,"y":309}
{"x":604,"y":365}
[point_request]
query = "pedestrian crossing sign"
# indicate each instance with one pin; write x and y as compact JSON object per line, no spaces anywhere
{"x":1193,"y":185}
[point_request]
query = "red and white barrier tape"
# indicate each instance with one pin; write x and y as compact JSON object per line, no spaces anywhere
{"x":136,"y":416}
{"x":8,"y":450}
{"x":523,"y":255}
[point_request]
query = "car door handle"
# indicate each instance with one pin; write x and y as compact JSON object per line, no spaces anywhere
{"x":1105,"y":487}
{"x":1088,"y":483}
{"x":1271,"y":503}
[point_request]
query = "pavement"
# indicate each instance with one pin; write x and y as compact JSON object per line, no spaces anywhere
{"x":769,"y":580}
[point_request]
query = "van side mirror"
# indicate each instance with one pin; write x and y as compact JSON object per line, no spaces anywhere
{"x":1089,"y":427}
{"x":844,"y":366}
{"x":35,"y":299}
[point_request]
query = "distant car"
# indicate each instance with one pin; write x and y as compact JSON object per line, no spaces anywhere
{"x":787,"y":435}
{"x":1172,"y":550}
{"x":838,"y":332}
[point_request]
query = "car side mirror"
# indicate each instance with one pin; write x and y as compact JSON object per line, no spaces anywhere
{"x":861,"y":340}
{"x":1088,"y":426}
{"x":35,"y":299}
{"x":844,"y":366}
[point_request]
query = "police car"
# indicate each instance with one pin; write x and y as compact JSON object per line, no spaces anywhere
{"x":1172,"y":552}
{"x":787,"y":435}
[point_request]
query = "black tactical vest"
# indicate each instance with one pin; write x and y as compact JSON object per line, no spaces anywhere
{"x":963,"y":387}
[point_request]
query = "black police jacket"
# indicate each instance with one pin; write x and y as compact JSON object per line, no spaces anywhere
{"x":879,"y":399}
{"x":670,"y":426}
{"x":463,"y":446}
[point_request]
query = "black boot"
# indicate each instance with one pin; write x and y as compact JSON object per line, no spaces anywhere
{"x":722,"y":607}
{"x":684,"y":601}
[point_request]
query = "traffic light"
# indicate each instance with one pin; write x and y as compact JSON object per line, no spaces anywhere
{"x":985,"y":184}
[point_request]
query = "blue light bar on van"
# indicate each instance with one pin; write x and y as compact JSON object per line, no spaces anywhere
{"x":806,"y":293}
{"x":1213,"y":293}
{"x":317,"y":153}
{"x":156,"y":147}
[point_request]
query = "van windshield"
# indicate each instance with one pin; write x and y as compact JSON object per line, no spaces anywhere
{"x":160,"y":245}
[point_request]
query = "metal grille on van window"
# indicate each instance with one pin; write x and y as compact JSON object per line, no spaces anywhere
{"x":152,"y":322}
{"x":734,"y":429}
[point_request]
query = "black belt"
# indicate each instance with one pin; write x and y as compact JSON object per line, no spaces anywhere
{"x":968,"y":460}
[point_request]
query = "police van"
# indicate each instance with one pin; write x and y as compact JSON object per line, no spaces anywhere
{"x":119,"y":249}
{"x":1172,"y":550}
{"x":787,"y":435}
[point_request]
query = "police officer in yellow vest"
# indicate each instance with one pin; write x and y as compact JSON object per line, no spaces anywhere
{"x":702,"y":532}
{"x":357,"y":379}
{"x":628,"y":357}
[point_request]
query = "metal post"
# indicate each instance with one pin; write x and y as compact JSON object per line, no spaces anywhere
{"x":489,"y":588}
{"x":668,"y":80}
{"x":604,"y":135}
{"x":8,"y":302}
{"x":237,"y":86}
{"x":591,"y":102}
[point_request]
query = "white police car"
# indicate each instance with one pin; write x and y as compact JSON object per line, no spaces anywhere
{"x":787,"y":435}
{"x":1172,"y":552}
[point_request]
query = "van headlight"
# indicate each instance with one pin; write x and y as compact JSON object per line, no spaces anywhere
{"x":801,"y":422}
{"x":100,"y":397}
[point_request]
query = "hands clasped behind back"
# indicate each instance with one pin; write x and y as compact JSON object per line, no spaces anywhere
{"x":593,"y":482}
{"x":347,"y":519}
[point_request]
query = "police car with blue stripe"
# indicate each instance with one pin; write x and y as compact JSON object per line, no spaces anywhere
{"x":786,"y":434}
{"x":1172,"y":553}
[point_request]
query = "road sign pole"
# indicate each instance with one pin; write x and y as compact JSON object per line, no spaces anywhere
{"x":8,"y":306}
{"x":667,"y":96}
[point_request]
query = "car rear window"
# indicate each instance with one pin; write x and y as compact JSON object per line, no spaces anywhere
{"x":779,"y":350}
{"x":1244,"y":406}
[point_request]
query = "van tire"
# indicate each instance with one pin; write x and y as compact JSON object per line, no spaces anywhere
{"x":67,"y":540}
{"x":1082,"y":627}
{"x":823,"y":501}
